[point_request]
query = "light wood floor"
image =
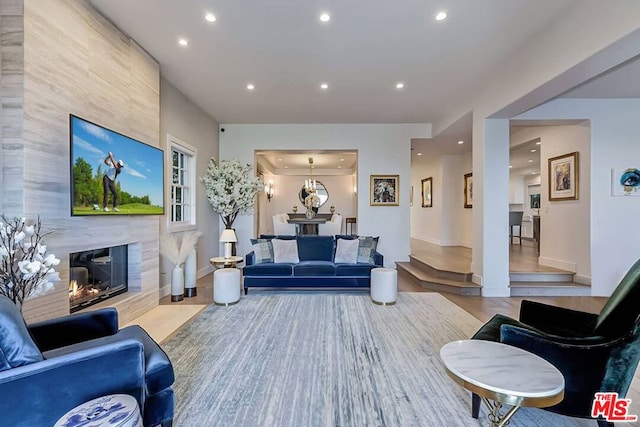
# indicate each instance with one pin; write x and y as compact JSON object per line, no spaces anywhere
{"x":479,"y":307}
{"x":522,"y":258}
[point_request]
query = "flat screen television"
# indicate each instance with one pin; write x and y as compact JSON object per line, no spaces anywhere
{"x":112,"y":174}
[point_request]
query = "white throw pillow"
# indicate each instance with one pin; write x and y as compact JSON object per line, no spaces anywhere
{"x":285,"y":251}
{"x":347,"y":251}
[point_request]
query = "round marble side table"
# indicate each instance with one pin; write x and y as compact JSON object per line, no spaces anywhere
{"x":503,"y":374}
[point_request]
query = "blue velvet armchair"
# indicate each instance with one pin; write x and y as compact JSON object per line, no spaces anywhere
{"x":50,"y":367}
{"x":594,"y":352}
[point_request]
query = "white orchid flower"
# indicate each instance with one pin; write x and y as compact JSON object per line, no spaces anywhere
{"x":18,"y":238}
{"x":30,"y":229}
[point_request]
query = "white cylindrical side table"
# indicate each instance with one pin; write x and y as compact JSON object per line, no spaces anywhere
{"x":226,"y":286}
{"x":114,"y":410}
{"x":384,"y":286}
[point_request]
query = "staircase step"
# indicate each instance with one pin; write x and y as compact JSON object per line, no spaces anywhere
{"x":438,"y":272}
{"x":548,"y":289}
{"x":542,"y":276}
{"x":434,"y":283}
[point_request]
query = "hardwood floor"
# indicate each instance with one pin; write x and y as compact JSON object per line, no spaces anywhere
{"x":522,"y":258}
{"x":479,"y":307}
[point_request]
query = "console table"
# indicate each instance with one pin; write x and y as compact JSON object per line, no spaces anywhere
{"x":503,"y":374}
{"x":307,"y":226}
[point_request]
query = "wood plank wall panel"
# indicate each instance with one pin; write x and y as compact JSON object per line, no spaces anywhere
{"x":77,"y":62}
{"x":11,"y":106}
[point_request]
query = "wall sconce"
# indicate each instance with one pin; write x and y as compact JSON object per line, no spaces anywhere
{"x":268,"y":190}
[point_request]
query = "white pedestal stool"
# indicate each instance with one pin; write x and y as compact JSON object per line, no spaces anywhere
{"x":384,"y":286}
{"x":226,"y":286}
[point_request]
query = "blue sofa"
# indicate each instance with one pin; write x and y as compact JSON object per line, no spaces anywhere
{"x":48,"y":368}
{"x":316,"y":268}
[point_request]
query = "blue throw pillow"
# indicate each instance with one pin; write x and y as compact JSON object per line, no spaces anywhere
{"x":367,"y":249}
{"x":16,"y":346}
{"x":263,"y":250}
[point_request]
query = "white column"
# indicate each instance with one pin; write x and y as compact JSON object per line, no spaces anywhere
{"x":490,"y":256}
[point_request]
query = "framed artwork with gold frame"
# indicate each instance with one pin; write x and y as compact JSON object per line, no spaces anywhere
{"x":427,"y":192}
{"x":563,"y":177}
{"x":468,"y":190}
{"x":385,"y":190}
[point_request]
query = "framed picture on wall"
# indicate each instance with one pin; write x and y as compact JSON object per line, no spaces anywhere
{"x":427,"y":200}
{"x":411,"y":197}
{"x":384,"y":190}
{"x":563,"y":177}
{"x":468,"y":190}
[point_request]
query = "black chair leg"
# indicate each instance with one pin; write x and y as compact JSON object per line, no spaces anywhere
{"x":167,"y":423}
{"x":475,"y":406}
{"x":604,"y":423}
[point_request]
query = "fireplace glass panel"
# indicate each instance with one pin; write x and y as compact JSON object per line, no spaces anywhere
{"x":96,"y":275}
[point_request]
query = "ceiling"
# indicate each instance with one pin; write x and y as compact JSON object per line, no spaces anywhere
{"x":286,"y":52}
{"x":291,"y":162}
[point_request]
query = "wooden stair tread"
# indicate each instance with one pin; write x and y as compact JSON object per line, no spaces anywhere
{"x":548,"y":284}
{"x":422,"y":276}
{"x":437,"y":264}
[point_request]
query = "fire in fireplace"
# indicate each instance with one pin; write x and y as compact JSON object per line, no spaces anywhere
{"x":96,"y":275}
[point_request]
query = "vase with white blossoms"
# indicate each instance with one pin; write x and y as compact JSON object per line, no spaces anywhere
{"x":26,"y":269}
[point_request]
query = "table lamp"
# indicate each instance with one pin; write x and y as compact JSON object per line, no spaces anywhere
{"x":228,"y":236}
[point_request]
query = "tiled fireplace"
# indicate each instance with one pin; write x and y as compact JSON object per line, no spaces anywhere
{"x":96,"y":275}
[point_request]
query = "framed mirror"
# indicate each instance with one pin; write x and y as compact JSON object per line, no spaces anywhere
{"x":321,"y":191}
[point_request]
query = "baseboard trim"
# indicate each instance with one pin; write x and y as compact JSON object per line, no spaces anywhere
{"x":477,"y":279}
{"x":558,"y":263}
{"x":496,"y":292}
{"x":165,"y":290}
{"x":204,"y":271}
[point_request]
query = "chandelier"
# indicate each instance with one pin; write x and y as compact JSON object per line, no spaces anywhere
{"x":310,"y":184}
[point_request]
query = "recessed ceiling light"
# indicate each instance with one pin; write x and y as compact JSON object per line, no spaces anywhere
{"x":279,"y":159}
{"x":533,"y":151}
{"x":342,"y":160}
{"x":419,"y":154}
{"x":460,"y":142}
{"x":324,"y":86}
{"x":183,"y":42}
{"x":399,"y":85}
{"x":510,"y":166}
{"x":250,"y":86}
{"x":339,"y":167}
{"x":286,"y":167}
{"x":441,"y":16}
{"x":325,"y":17}
{"x":530,"y":161}
{"x":210,"y":17}
{"x":538,"y":143}
{"x":533,"y":173}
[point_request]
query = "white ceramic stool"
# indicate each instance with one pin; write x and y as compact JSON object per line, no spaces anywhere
{"x":114,"y":410}
{"x":384,"y":286}
{"x":226,"y":286}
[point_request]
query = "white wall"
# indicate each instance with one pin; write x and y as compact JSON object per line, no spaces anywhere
{"x":564,"y":225}
{"x":382,"y":149}
{"x":184,"y":120}
{"x":426,"y":223}
{"x":614,"y":238}
{"x":447,"y":223}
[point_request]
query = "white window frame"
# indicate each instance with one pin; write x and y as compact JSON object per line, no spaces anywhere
{"x":190,"y":153}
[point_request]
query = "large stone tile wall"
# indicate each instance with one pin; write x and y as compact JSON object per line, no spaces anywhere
{"x":74,"y":61}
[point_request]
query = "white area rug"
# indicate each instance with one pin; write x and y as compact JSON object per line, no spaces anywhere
{"x":327,"y":360}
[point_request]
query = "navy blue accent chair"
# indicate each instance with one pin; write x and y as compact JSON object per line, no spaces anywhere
{"x":50,"y":367}
{"x":594,"y":352}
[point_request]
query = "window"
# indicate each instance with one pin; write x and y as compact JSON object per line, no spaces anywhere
{"x":183,"y":180}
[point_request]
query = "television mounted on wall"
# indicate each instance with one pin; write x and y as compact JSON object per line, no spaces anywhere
{"x":113,"y":174}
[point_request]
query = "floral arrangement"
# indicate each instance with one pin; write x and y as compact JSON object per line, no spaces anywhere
{"x":312,"y":201}
{"x":26,"y":270}
{"x":177,"y":250}
{"x":230,"y":188}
